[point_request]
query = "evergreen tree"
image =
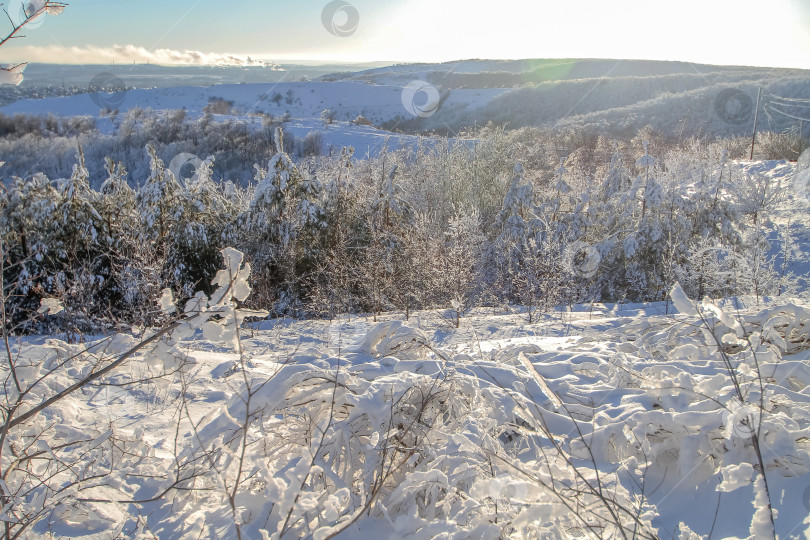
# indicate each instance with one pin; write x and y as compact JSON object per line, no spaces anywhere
{"x":31,"y":269}
{"x":158,"y":203}
{"x":618,"y":179}
{"x":203,"y":212}
{"x":285,"y":217}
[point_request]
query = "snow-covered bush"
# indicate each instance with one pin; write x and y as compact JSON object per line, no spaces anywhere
{"x":64,"y":468}
{"x":397,"y":432}
{"x":334,"y":233}
{"x":328,"y":117}
{"x":312,"y":144}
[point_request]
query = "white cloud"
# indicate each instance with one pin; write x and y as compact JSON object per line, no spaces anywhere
{"x":123,"y":54}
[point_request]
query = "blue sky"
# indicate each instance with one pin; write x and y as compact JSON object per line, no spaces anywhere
{"x":747,"y":32}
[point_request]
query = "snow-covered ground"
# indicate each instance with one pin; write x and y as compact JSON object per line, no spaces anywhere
{"x":300,"y":102}
{"x":308,"y":99}
{"x":592,"y":417}
{"x":789,"y":223}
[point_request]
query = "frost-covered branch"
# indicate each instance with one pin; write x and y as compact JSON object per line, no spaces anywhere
{"x":30,"y":10}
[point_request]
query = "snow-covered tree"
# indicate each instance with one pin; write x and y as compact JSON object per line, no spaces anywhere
{"x":334,"y":285}
{"x":387,"y":220}
{"x":77,"y":244}
{"x":116,"y":204}
{"x":462,"y":260}
{"x":158,"y":202}
{"x":328,"y":117}
{"x":78,"y":221}
{"x":517,"y":222}
{"x":127,"y":269}
{"x":618,"y":179}
{"x":417,"y":261}
{"x":30,"y":267}
{"x":202,"y":216}
{"x":756,"y":194}
{"x":284,"y":219}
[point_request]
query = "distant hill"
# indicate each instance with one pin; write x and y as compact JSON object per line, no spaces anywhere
{"x":611,"y":97}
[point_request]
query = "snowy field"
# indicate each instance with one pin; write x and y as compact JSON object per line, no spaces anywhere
{"x":644,"y":421}
{"x":300,"y":99}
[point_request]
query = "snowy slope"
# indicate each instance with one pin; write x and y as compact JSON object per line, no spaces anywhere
{"x":366,"y":140}
{"x":633,"y":391}
{"x":301,"y":99}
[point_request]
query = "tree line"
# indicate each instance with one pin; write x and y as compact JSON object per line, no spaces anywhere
{"x":512,"y":217}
